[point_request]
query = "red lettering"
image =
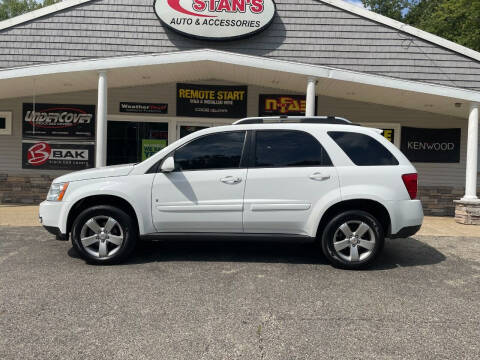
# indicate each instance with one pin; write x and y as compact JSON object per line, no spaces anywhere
{"x":256,"y":6}
{"x":199,"y":5}
{"x":224,"y":5}
{"x":211,"y":6}
{"x":239,"y":5}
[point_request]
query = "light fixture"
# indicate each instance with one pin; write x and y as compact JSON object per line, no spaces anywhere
{"x":458,"y":105}
{"x":146,"y":77}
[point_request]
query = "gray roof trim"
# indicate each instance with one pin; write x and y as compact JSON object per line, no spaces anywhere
{"x":341,"y":4}
{"x":313,"y":71}
{"x":404,"y":27}
{"x":47,"y":10}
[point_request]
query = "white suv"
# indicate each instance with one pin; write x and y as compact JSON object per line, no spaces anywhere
{"x":322,"y":179}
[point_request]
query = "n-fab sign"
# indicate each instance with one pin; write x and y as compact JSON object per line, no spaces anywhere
{"x":216,"y":19}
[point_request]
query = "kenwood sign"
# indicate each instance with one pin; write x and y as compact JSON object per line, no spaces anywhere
{"x":216,"y":19}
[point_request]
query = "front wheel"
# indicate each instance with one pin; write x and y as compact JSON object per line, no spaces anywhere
{"x":353,"y":239}
{"x":104,"y":235}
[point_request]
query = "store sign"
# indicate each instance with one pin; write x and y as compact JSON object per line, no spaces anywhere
{"x":54,"y":120}
{"x":389,"y":134}
{"x":431,"y":145}
{"x":143,"y":108}
{"x":211,"y":101}
{"x":292,"y":105}
{"x":45,"y":155}
{"x":216,"y":19}
{"x":151,"y":147}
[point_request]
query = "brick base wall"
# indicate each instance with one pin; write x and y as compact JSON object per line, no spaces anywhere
{"x":438,"y":201}
{"x":22,"y":189}
{"x":32,"y":189}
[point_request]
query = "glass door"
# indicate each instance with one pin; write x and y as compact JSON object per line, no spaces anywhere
{"x":133,"y":141}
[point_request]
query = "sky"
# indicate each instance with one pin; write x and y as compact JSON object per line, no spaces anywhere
{"x":355,"y":2}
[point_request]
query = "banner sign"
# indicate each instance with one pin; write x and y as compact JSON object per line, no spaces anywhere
{"x":389,"y":134}
{"x":151,"y":147}
{"x":212,"y":101}
{"x":143,"y":108}
{"x":291,"y":105}
{"x":216,"y":19}
{"x":44,"y":155}
{"x":431,"y":145}
{"x":54,"y":120}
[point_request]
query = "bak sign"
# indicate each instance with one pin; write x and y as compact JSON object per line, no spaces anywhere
{"x":216,"y":19}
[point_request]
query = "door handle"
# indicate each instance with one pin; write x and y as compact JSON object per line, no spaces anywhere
{"x":319,"y":176}
{"x":231,"y":180}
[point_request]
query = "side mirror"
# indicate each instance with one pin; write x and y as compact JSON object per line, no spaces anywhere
{"x":168,"y":165}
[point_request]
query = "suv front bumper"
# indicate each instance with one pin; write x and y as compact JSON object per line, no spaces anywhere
{"x":52,"y":216}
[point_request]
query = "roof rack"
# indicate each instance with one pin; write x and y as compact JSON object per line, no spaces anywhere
{"x":294,"y":119}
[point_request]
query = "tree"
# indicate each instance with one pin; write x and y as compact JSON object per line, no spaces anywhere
{"x":11,"y":8}
{"x":392,"y":8}
{"x":455,"y":20}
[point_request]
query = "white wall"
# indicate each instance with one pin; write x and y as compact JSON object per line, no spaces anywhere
{"x":430,"y":174}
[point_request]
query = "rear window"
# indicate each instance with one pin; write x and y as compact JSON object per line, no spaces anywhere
{"x":288,"y":148}
{"x":362,"y":149}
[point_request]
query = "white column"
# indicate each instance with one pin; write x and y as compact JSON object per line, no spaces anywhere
{"x":472,"y":155}
{"x":101,"y":148}
{"x":311,"y":85}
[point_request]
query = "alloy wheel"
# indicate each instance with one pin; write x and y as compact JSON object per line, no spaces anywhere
{"x":354,"y":241}
{"x":102,"y":236}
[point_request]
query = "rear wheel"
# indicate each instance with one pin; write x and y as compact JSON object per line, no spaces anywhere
{"x":353,"y":239}
{"x":104,"y":235}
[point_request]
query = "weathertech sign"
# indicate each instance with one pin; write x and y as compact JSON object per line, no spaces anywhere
{"x":216,"y":19}
{"x":59,"y":120}
{"x":45,"y":155}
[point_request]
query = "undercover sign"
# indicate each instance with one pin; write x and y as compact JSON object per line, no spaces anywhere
{"x":292,"y":105}
{"x":431,"y":145}
{"x":211,"y":101}
{"x":59,"y":120}
{"x":216,"y":19}
{"x":43,"y":155}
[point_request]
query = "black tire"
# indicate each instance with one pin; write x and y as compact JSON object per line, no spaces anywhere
{"x":347,"y":258}
{"x":125,"y":228}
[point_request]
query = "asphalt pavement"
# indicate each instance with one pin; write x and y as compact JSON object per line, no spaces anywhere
{"x":238,"y":301}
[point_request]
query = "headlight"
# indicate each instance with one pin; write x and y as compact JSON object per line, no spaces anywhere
{"x":57,"y":192}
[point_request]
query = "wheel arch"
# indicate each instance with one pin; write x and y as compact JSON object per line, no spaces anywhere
{"x":373,"y":207}
{"x":95,"y":200}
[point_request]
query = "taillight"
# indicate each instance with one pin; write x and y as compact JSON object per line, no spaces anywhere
{"x":411,"y":183}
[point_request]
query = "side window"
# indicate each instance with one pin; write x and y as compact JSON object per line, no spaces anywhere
{"x":284,"y":148}
{"x":362,"y":149}
{"x":216,"y":151}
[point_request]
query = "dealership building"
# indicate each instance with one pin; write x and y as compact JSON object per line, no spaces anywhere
{"x":87,"y":83}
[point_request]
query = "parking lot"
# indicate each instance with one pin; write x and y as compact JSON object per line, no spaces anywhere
{"x":238,"y":301}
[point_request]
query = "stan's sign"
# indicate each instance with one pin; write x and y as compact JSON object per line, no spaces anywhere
{"x":216,"y":19}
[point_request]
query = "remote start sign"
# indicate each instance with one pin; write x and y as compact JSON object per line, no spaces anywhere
{"x":45,"y":155}
{"x":216,"y":19}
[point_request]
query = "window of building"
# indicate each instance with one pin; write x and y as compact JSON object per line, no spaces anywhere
{"x":288,"y":149}
{"x":132,"y":142}
{"x":362,"y":149}
{"x":216,"y":151}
